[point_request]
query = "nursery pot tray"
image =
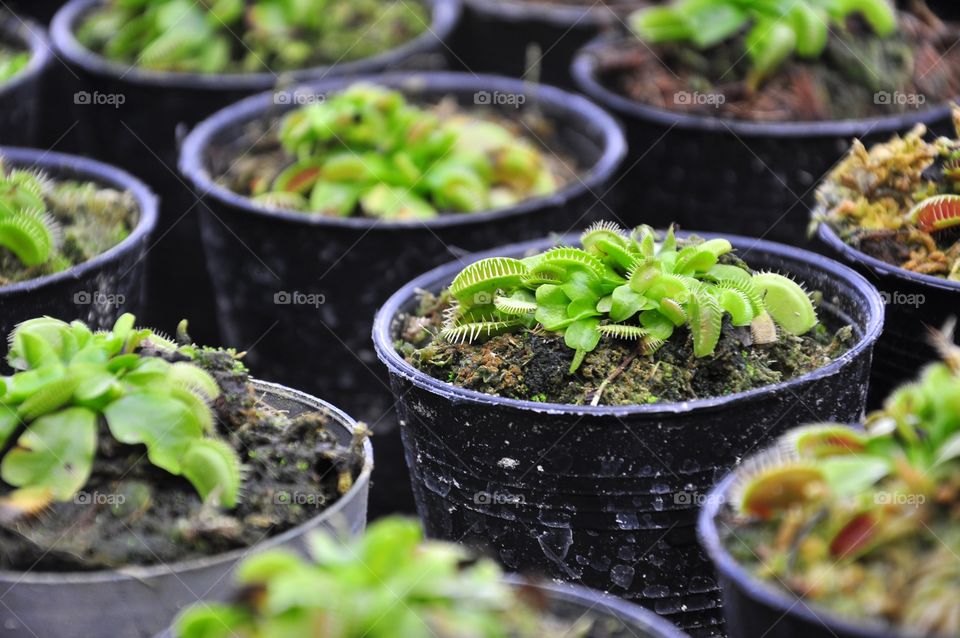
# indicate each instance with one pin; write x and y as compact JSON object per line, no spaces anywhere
{"x":133,"y":117}
{"x":607,"y":496}
{"x":756,"y":608}
{"x":20,"y":96}
{"x":733,"y":176}
{"x":98,"y":290}
{"x":915,"y":304}
{"x":138,"y":602}
{"x":304,"y":288}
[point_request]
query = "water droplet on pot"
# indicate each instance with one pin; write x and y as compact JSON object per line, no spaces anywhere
{"x":622,"y":575}
{"x":627,"y":520}
{"x":656,"y":591}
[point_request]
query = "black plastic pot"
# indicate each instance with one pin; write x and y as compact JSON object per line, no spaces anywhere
{"x":545,"y":34}
{"x":20,"y":98}
{"x":40,"y":10}
{"x":607,"y":496}
{"x":266,"y":263}
{"x":754,"y":608}
{"x":131,"y":117}
{"x":726,"y":175}
{"x":138,"y":602}
{"x":915,"y":303}
{"x":96,"y":291}
{"x":567,"y":602}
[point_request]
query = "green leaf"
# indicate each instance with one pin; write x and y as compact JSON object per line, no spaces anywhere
{"x":810,"y":26}
{"x":582,"y":336}
{"x":660,"y":24}
{"x":168,"y":433}
{"x":552,"y":307}
{"x":769,"y":44}
{"x":787,"y":302}
{"x":852,"y":475}
{"x":705,"y":320}
{"x":213,"y":468}
{"x":9,"y":420}
{"x":626,"y":303}
{"x":56,"y":452}
{"x":711,"y":23}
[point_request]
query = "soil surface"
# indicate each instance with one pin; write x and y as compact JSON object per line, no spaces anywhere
{"x":91,"y":220}
{"x":258,"y":155}
{"x":133,"y":513}
{"x":858,"y":76}
{"x":533,"y":365}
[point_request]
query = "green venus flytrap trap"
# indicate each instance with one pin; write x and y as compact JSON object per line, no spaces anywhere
{"x":26,"y":227}
{"x":625,"y":286}
{"x":70,"y":380}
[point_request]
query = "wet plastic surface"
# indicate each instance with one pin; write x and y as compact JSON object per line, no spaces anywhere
{"x":140,"y":601}
{"x":132,"y":117}
{"x":21,"y":96}
{"x":300,"y":291}
{"x":608,"y":496}
{"x":524,"y":32}
{"x":724,"y":175}
{"x":96,"y":291}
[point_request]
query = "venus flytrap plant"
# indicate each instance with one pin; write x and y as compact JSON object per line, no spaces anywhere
{"x":143,"y":388}
{"x":390,"y":582}
{"x":367,"y":150}
{"x":625,"y":287}
{"x":876,"y":507}
{"x":773,"y":30}
{"x":221,"y":36}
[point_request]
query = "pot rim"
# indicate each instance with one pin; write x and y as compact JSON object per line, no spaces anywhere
{"x":828,"y":236}
{"x":584,"y":67}
{"x":141,"y":573}
{"x":34,"y":37}
{"x":396,"y":365}
{"x":566,"y":16}
{"x":614,"y":147}
{"x":97,"y":172}
{"x":607,"y":604}
{"x":767,"y":593}
{"x":445,"y":14}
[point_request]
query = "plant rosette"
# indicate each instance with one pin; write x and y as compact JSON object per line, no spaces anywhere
{"x":606,"y":495}
{"x":73,"y":233}
{"x":767,"y":92}
{"x":892,"y":211}
{"x":848,"y":531}
{"x":154,"y":103}
{"x":291,"y":279}
{"x":130,"y":460}
{"x":410,"y":587}
{"x":25,"y":60}
{"x":535,"y":38}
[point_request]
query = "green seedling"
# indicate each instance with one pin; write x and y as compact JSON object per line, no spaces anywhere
{"x":625,"y":287}
{"x":70,"y":381}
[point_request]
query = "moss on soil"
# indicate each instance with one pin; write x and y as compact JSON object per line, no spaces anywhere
{"x":91,"y":220}
{"x":133,"y":513}
{"x":533,"y":365}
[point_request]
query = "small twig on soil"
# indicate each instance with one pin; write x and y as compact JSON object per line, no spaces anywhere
{"x":616,"y":373}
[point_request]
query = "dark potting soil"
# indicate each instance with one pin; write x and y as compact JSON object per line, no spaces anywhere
{"x":533,"y":365}
{"x":90,"y":221}
{"x":858,"y":76}
{"x":133,"y":513}
{"x":258,"y":157}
